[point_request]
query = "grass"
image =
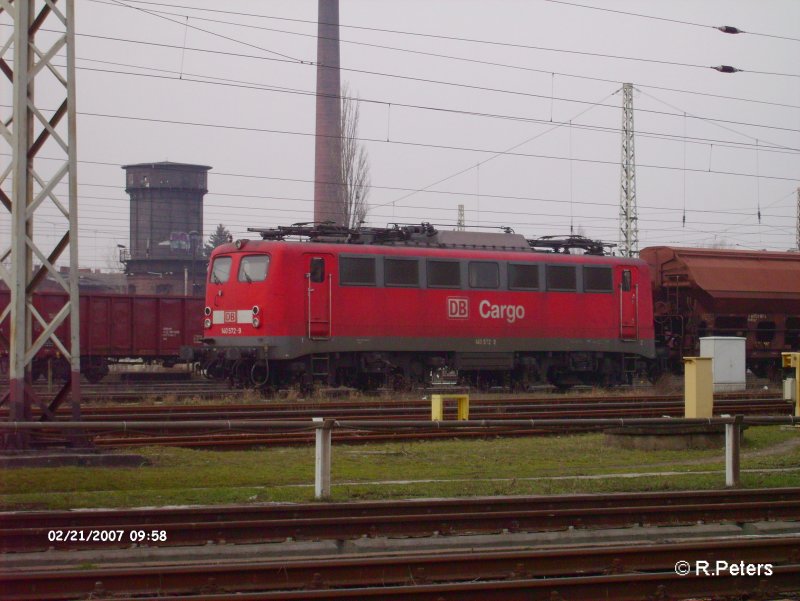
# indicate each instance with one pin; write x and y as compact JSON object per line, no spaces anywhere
{"x":534,"y":465}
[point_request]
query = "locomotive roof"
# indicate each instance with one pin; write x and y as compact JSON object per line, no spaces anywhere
{"x":426,"y":235}
{"x":726,"y":273}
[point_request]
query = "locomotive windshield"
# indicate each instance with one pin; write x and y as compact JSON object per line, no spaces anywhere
{"x":253,"y":268}
{"x":221,"y":270}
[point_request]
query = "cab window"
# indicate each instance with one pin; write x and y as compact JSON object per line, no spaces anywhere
{"x":626,"y":280}
{"x":253,"y":268}
{"x":317,"y":270}
{"x":221,"y":270}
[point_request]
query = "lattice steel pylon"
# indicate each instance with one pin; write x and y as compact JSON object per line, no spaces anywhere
{"x":39,"y":57}
{"x":628,"y":219}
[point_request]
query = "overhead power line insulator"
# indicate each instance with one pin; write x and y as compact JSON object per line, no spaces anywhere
{"x":726,"y":69}
{"x":729,"y":29}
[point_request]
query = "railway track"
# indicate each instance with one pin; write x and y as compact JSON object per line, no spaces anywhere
{"x":620,"y":572}
{"x":482,"y":407}
{"x":519,"y":409}
{"x":29,"y":531}
{"x":205,"y":389}
{"x":138,"y":391}
{"x":405,"y":407}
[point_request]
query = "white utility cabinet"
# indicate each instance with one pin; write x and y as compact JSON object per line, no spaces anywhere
{"x":728,"y":365}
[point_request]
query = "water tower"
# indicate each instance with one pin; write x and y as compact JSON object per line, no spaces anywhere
{"x":166,"y":232}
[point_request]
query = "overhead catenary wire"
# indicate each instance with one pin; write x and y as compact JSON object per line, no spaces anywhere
{"x":107,"y":215}
{"x":475,"y":41}
{"x":500,"y":153}
{"x":230,"y":12}
{"x":505,"y":216}
{"x":454,"y":193}
{"x":716,"y":122}
{"x":405,"y":77}
{"x":213,"y":33}
{"x":420,"y":144}
{"x":437,"y":82}
{"x":761,"y":148}
{"x":115,"y":232}
{"x":270,"y":88}
{"x":723,"y":28}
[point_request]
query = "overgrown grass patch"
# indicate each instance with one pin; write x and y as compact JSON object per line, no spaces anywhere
{"x":524,"y":465}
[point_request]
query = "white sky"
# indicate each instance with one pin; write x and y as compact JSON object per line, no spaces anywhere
{"x":262,"y":153}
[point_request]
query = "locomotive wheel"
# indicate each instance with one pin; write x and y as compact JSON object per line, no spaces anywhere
{"x":259,"y":373}
{"x":557,"y":377}
{"x":241,"y":372}
{"x":307,"y":385}
{"x":94,"y":368}
{"x":400,"y":383}
{"x":214,"y":369}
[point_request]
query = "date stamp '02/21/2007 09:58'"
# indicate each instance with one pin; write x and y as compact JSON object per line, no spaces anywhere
{"x":107,"y":535}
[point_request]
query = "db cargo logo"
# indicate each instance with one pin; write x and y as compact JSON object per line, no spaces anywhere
{"x":230,"y":316}
{"x":457,"y":307}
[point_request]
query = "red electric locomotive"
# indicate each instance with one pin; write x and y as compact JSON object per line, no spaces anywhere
{"x":399,"y":306}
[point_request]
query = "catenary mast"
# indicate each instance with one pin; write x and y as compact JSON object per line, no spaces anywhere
{"x":37,"y":127}
{"x":628,"y":220}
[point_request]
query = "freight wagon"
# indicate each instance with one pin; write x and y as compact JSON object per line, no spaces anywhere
{"x":718,"y":292}
{"x":114,"y":327}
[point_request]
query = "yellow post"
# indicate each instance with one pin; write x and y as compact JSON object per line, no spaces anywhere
{"x":698,"y":387}
{"x":793,"y":360}
{"x":437,"y":406}
{"x":463,"y":407}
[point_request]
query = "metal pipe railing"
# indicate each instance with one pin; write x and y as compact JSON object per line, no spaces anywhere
{"x":500,"y":424}
{"x":324,"y":428}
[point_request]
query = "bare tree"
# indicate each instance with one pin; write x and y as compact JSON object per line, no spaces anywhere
{"x":355,"y":164}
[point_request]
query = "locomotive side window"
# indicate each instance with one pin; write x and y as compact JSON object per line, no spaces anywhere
{"x":357,"y":271}
{"x":221,"y":270}
{"x":444,"y":274}
{"x":523,"y":277}
{"x":626,"y":280}
{"x":597,"y":279}
{"x":317,"y":269}
{"x":484,"y":274}
{"x":401,"y":272}
{"x":561,"y":278}
{"x":253,"y":268}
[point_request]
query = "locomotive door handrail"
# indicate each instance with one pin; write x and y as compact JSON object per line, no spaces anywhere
{"x":309,"y":290}
{"x":628,"y":316}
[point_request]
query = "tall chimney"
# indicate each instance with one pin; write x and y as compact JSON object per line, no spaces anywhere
{"x":328,"y":204}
